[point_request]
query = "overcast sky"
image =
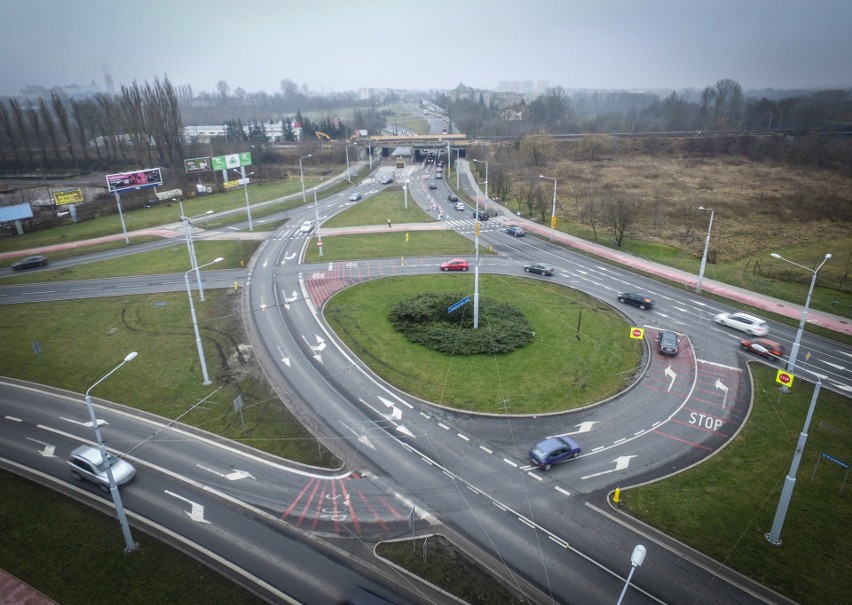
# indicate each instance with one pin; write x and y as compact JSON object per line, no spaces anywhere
{"x":338,"y":45}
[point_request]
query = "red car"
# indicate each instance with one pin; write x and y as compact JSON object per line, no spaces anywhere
{"x":457,"y":264}
{"x":763,"y":346}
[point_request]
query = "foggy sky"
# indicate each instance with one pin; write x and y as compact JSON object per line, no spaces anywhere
{"x":339,"y":45}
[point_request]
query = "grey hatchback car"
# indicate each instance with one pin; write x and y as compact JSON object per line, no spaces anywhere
{"x":87,"y":463}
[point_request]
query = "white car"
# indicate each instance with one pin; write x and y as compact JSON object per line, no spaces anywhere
{"x":744,"y":323}
{"x":86,"y":463}
{"x":307,"y":227}
{"x":459,"y":206}
{"x":354,"y":197}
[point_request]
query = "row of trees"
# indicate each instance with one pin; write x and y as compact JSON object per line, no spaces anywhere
{"x":721,"y":107}
{"x":141,"y":126}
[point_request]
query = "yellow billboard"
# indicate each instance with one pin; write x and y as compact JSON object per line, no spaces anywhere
{"x":68,"y":197}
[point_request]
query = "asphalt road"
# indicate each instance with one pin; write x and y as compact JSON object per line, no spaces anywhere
{"x":410,"y":465}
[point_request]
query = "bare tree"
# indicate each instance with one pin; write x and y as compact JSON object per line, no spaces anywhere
{"x":61,"y":112}
{"x":38,"y":132}
{"x":592,"y":147}
{"x":619,"y":212}
{"x":81,"y":111}
{"x":591,"y":213}
{"x":9,"y":133}
{"x":537,"y":148}
{"x":18,"y":113}
{"x":50,"y":128}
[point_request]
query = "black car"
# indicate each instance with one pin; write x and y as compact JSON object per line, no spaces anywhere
{"x":516,"y":231}
{"x":481,"y":215}
{"x":539,"y":268}
{"x":452,"y":198}
{"x":637,"y":299}
{"x":31,"y":262}
{"x":668,"y":342}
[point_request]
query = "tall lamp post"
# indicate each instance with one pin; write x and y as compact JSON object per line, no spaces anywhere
{"x":486,"y":182}
{"x":302,"y":177}
{"x":195,"y":322}
{"x":794,"y":352}
{"x":636,"y":560}
{"x":553,"y":208}
{"x":348,"y":175}
{"x":244,"y":179}
{"x":706,"y":248}
{"x":316,"y":216}
{"x":129,"y":544}
{"x":774,"y":535}
{"x":190,"y":247}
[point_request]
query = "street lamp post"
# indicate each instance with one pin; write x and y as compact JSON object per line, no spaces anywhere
{"x":636,"y":560}
{"x":190,"y":247}
{"x":245,"y":188}
{"x":129,"y":544}
{"x":348,"y":175}
{"x":302,"y":176}
{"x":195,"y":322}
{"x":553,"y":208}
{"x":774,"y":535}
{"x":486,"y":182}
{"x":316,"y":215}
{"x":794,"y":352}
{"x":706,"y":248}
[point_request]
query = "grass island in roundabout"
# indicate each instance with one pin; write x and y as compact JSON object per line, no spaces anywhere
{"x":576,"y":350}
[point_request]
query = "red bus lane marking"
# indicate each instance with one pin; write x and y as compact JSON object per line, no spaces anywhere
{"x":347,"y":500}
{"x":319,"y":507}
{"x":296,"y":501}
{"x":375,"y":513}
{"x":691,"y":443}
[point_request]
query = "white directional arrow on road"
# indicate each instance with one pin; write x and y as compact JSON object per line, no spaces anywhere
{"x":396,"y":414}
{"x":232,"y":476}
{"x":284,"y":358}
{"x":87,"y":424}
{"x":621,"y":463}
{"x":671,"y":374}
{"x":722,"y":387}
{"x":583,"y":427}
{"x":317,"y":348}
{"x":48,"y":450}
{"x":197,"y":511}
{"x":290,"y":256}
{"x":289,"y":300}
{"x":262,"y":304}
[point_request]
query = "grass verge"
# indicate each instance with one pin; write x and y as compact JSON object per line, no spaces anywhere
{"x":581,"y":352}
{"x":74,"y":555}
{"x":724,"y":506}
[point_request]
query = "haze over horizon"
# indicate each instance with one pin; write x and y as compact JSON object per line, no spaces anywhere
{"x":339,"y":45}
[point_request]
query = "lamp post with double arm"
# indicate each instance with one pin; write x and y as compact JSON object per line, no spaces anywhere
{"x":302,"y":177}
{"x":553,"y":208}
{"x":195,"y":321}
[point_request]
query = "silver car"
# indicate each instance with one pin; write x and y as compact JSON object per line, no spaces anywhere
{"x":86,"y":463}
{"x":743,"y":322}
{"x":307,"y":227}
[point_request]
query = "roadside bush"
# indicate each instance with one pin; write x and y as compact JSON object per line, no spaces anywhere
{"x":425,"y":320}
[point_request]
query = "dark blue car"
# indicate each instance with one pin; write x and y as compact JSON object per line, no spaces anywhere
{"x":553,"y":451}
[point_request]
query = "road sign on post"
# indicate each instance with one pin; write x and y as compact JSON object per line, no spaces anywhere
{"x":784,"y":378}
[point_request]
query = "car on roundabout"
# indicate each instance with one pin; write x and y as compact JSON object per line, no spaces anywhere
{"x":87,"y":463}
{"x":459,"y":206}
{"x":30,"y":262}
{"x":456,"y":264}
{"x":764,"y":347}
{"x":516,"y":231}
{"x":553,"y":451}
{"x":637,"y":299}
{"x":667,"y":342}
{"x":744,"y":323}
{"x":452,"y":198}
{"x":539,"y":268}
{"x":433,"y":185}
{"x":307,"y":226}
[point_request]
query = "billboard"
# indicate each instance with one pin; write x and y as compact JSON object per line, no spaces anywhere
{"x":68,"y":197}
{"x":134,"y":180}
{"x":234,"y":160}
{"x":196,"y":164}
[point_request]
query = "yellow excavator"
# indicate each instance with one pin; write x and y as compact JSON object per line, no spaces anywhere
{"x":323,"y":137}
